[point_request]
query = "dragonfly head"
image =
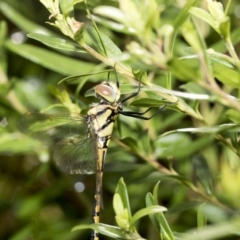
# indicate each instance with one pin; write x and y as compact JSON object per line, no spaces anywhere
{"x":107,"y":91}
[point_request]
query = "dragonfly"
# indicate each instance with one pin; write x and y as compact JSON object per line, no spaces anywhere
{"x":80,"y":142}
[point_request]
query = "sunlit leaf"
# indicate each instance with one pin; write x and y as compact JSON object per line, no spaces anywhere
{"x":227,"y":75}
{"x":147,"y":211}
{"x":122,"y":191}
{"x":105,"y":229}
{"x":233,"y":115}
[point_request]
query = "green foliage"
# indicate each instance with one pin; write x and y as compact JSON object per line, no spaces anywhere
{"x":187,"y":59}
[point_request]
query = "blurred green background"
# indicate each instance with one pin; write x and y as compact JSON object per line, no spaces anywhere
{"x":195,"y":166}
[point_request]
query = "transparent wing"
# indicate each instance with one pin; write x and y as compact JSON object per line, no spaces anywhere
{"x":75,"y":149}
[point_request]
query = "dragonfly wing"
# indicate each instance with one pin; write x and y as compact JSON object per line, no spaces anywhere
{"x":75,"y":149}
{"x":77,"y":156}
{"x":53,"y":128}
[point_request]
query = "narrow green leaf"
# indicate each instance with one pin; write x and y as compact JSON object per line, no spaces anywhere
{"x":151,"y":202}
{"x":3,"y":32}
{"x":147,"y":211}
{"x":148,"y":102}
{"x":58,"y":43}
{"x":203,"y":173}
{"x":212,"y":129}
{"x":3,"y":58}
{"x":155,"y":192}
{"x":108,"y":230}
{"x":159,"y":219}
{"x":50,"y":60}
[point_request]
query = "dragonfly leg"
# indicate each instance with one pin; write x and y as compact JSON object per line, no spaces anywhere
{"x":139,"y":114}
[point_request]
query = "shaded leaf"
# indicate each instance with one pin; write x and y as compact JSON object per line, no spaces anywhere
{"x":158,"y":219}
{"x":148,"y":102}
{"x":184,"y":70}
{"x":151,"y":202}
{"x":182,"y":207}
{"x":21,"y":21}
{"x":158,"y":176}
{"x":203,"y":173}
{"x":111,"y":49}
{"x":131,"y":143}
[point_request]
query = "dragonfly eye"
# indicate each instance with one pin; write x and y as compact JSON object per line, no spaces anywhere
{"x":107,"y":92}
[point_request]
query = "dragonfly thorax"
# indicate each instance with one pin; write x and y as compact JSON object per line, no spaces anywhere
{"x":107,"y":92}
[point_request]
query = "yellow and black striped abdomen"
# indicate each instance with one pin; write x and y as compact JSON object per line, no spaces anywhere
{"x":102,"y":118}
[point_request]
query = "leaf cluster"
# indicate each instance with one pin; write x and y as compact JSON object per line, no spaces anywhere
{"x":188,"y":57}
